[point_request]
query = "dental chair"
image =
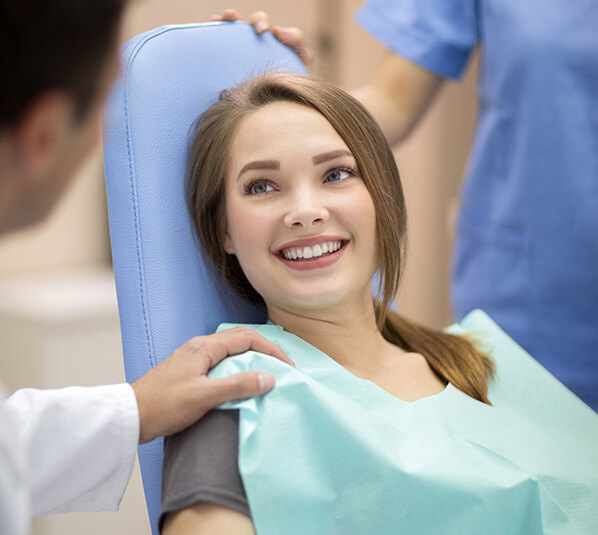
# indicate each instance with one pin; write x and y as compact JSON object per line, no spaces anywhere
{"x":166,"y":293}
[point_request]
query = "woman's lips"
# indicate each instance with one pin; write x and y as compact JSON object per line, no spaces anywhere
{"x":317,"y":256}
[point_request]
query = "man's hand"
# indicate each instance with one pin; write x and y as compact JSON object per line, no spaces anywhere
{"x":176,"y":393}
{"x":291,"y":37}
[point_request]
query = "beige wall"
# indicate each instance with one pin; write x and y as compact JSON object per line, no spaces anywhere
{"x":431,"y":162}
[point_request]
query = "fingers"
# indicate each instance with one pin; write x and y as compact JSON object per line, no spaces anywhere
{"x":240,"y":386}
{"x":229,"y":15}
{"x":294,"y":39}
{"x":238,"y":340}
{"x":260,"y":20}
{"x":176,"y":393}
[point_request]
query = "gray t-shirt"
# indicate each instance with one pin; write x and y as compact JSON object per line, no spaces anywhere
{"x":200,"y":465}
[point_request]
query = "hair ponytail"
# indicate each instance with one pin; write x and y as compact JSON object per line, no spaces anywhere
{"x":453,"y":358}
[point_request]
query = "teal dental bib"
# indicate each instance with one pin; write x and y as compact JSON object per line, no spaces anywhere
{"x":329,"y":453}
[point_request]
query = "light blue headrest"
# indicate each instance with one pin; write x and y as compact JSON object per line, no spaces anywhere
{"x":166,"y":293}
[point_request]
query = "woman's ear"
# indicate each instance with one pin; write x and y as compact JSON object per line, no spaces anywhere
{"x":227,"y":242}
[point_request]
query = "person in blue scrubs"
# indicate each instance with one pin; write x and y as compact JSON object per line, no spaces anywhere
{"x":527,"y":236}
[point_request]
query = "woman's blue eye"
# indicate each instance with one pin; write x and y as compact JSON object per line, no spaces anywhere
{"x":337,"y":175}
{"x":257,"y":187}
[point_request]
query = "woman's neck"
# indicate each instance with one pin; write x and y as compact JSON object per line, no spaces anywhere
{"x":348,"y":334}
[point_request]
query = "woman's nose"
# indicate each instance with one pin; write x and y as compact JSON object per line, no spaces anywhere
{"x":306,"y":211}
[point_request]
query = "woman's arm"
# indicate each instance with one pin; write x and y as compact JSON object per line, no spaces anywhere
{"x":208,"y":519}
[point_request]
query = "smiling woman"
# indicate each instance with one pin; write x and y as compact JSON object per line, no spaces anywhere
{"x":298,"y":203}
{"x":286,"y":165}
{"x":281,"y":217}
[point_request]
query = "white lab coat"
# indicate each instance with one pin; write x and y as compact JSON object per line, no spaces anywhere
{"x":63,"y":450}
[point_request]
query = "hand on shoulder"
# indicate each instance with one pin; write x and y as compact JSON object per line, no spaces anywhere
{"x":177,"y":392}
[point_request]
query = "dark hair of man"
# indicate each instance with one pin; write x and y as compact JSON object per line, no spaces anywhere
{"x":48,"y":45}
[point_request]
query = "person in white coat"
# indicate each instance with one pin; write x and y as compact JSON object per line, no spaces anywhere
{"x":73,"y":449}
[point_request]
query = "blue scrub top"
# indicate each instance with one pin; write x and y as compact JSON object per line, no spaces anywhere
{"x":527,"y":237}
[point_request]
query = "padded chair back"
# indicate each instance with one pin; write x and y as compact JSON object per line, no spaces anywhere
{"x":166,"y":294}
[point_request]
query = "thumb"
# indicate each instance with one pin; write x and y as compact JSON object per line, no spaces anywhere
{"x":240,"y":386}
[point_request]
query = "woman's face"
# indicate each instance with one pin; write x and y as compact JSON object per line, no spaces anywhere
{"x":299,"y":217}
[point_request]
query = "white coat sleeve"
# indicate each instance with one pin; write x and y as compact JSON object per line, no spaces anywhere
{"x":79,"y":445}
{"x":14,"y":492}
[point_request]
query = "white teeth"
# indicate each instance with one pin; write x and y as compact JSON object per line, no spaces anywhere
{"x":294,"y":253}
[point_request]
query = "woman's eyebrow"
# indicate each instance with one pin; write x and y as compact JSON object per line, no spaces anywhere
{"x":325,"y":156}
{"x":259,"y":164}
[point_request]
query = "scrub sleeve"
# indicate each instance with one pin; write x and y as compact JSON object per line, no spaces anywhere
{"x":526,"y":246}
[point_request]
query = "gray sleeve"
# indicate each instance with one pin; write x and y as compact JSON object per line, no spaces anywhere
{"x":200,"y":465}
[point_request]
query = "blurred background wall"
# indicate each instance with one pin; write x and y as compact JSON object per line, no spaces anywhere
{"x":58,"y":315}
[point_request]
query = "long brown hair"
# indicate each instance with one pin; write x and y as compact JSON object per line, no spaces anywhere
{"x":453,"y":358}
